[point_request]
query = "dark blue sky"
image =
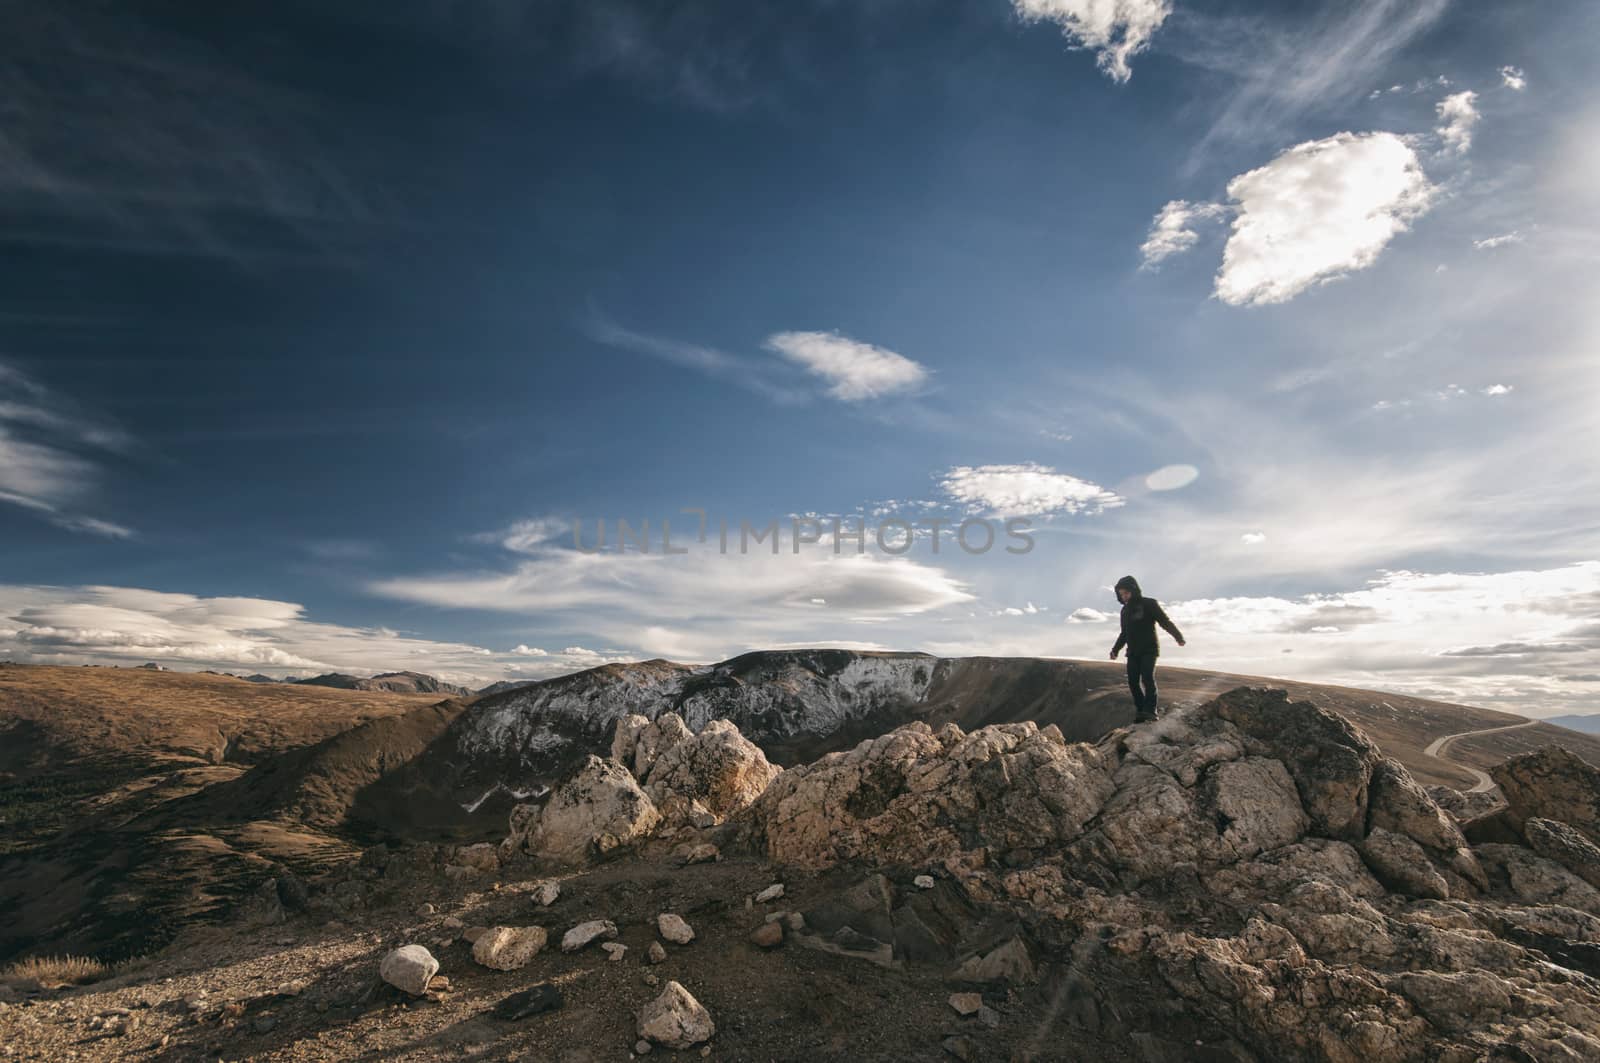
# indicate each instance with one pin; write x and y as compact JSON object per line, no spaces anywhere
{"x":323,"y":309}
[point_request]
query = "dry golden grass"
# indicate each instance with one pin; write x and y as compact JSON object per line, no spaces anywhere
{"x":52,"y":972}
{"x":99,"y":712}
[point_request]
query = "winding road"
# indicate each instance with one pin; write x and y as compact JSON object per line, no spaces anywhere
{"x":1437,"y":747}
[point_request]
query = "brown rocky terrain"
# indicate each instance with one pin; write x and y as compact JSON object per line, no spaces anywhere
{"x":1252,"y":878}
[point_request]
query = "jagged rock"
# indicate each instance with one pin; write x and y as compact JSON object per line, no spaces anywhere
{"x":507,"y":948}
{"x":546,"y":893}
{"x":1400,"y":864}
{"x":1330,"y":761}
{"x":923,"y":882}
{"x":1552,"y":783}
{"x":674,"y":928}
{"x":408,"y":968}
{"x":638,"y":741}
{"x":767,"y":935}
{"x":892,"y":798}
{"x":675,"y":1019}
{"x":656,"y":953}
{"x":1010,"y":962}
{"x":696,"y":853}
{"x":771,"y":893}
{"x":1558,"y":841}
{"x":585,"y":933}
{"x":718,"y":769}
{"x":1534,"y":879}
{"x":528,"y":1003}
{"x":1259,"y":804}
{"x":614,"y":950}
{"x":599,"y":807}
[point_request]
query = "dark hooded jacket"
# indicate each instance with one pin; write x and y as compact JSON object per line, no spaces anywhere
{"x":1140,"y":615}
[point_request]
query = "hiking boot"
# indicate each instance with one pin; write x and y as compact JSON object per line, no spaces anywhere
{"x":1144,"y":717}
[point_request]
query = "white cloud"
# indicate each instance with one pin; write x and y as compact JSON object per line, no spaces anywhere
{"x":1115,"y":30}
{"x":1026,"y":490}
{"x":1495,"y":390}
{"x":1173,"y":230}
{"x":854,"y":371}
{"x":1253,"y":538}
{"x":690,"y":597}
{"x":1513,"y":78}
{"x":1317,"y":212}
{"x":129,"y":625}
{"x":1458,"y":115}
{"x":1489,"y":243}
{"x":1087,"y":616}
{"x":1172,"y":477}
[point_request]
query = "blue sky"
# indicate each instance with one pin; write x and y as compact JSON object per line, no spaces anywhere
{"x":321,"y":330}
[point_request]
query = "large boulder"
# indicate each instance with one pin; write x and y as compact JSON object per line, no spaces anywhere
{"x":597,"y":808}
{"x":638,"y":741}
{"x":1557,"y":841}
{"x":1330,"y":760}
{"x":915,"y":795}
{"x":719,"y":768}
{"x":1551,"y":783}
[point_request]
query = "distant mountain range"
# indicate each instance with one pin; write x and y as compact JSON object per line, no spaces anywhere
{"x":1588,"y":724}
{"x":394,"y":682}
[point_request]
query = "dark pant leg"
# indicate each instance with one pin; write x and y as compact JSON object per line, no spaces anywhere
{"x":1142,"y":682}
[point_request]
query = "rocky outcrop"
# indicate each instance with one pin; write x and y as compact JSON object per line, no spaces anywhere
{"x":596,"y":809}
{"x":1551,"y":783}
{"x":1258,"y":857}
{"x":1557,"y":841}
{"x":701,"y":778}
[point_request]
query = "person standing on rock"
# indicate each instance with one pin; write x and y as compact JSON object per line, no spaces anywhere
{"x":1140,"y":615}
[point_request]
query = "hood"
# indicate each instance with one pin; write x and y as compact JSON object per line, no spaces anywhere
{"x":1130,"y":583}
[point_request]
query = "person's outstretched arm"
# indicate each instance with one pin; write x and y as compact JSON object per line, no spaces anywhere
{"x":1122,"y":640}
{"x":1165,"y":621}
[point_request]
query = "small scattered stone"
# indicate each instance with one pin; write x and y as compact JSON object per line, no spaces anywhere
{"x":615,"y":950}
{"x":705,"y":1053}
{"x":508,"y":948}
{"x":796,"y":921}
{"x":472,"y":933}
{"x":698,"y":853}
{"x":584,"y":933}
{"x":528,"y":1003}
{"x":650,"y":980}
{"x":771,"y":893}
{"x":966,"y":1003}
{"x":438,"y":984}
{"x":674,"y":928}
{"x":960,"y":1047}
{"x":657,"y":953}
{"x":453,"y":923}
{"x":767,"y":935}
{"x":923,"y":882}
{"x":425,"y":910}
{"x":642,"y":1047}
{"x":407,"y":968}
{"x":546,"y":893}
{"x":989,"y":1017}
{"x":265,"y":1023}
{"x":675,"y":1019}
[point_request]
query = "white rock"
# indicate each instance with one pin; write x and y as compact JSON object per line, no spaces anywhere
{"x":546,"y":893}
{"x":584,"y":933}
{"x":408,"y":968}
{"x":615,"y":950}
{"x":674,"y":928}
{"x":923,"y":882}
{"x":507,"y":948}
{"x":771,"y":893}
{"x":675,"y":1019}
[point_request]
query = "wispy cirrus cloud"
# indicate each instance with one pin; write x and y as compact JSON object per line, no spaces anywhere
{"x":1174,"y":230}
{"x":51,"y":454}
